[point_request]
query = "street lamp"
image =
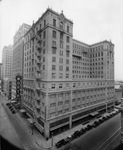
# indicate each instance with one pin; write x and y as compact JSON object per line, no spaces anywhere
{"x":52,"y":139}
{"x":32,"y":127}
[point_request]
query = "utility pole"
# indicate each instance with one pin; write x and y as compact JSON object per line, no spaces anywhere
{"x":52,"y":139}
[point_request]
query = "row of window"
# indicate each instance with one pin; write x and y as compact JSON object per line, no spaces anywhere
{"x":79,"y":67}
{"x":78,"y":106}
{"x":54,"y":50}
{"x":60,"y":68}
{"x":53,"y":86}
{"x":53,"y":76}
{"x":82,"y":54}
{"x":61,"y":25}
{"x":60,"y":60}
{"x":79,"y":101}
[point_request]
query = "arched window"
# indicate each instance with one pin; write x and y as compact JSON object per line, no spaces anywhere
{"x":61,"y":25}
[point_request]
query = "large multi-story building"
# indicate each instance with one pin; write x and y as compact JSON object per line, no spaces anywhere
{"x":18,"y":49}
{"x":65,"y":80}
{"x":118,"y":94}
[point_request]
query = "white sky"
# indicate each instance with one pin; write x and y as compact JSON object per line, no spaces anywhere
{"x":94,"y":21}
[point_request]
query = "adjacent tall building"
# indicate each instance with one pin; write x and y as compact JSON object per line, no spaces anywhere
{"x":0,"y":71}
{"x":64,"y":79}
{"x":7,"y":56}
{"x":18,"y":49}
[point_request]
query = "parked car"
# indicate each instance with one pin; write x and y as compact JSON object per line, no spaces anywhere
{"x":77,"y":133}
{"x":89,"y":127}
{"x":7,"y":104}
{"x":60,"y":143}
{"x":82,"y":131}
{"x":101,"y":120}
{"x":96,"y":123}
{"x":10,"y":106}
{"x":13,"y":111}
{"x":67,"y":140}
{"x":108,"y":116}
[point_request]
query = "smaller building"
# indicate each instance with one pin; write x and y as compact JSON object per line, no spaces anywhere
{"x":118,"y":94}
{"x":7,"y":87}
{"x":0,"y":71}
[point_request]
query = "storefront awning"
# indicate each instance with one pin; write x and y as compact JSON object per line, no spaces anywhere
{"x":22,"y":111}
{"x":94,"y":113}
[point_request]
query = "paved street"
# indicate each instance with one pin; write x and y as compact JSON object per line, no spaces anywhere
{"x":96,"y":139}
{"x":26,"y":139}
{"x":7,"y":131}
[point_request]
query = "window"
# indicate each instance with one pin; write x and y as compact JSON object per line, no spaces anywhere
{"x":67,"y":76}
{"x":44,"y":43}
{"x":53,"y":67}
{"x":60,"y":86}
{"x":60,"y":103}
{"x":68,"y":29}
{"x":60,"y":75}
{"x":74,"y":84}
{"x":53,"y":86}
{"x":60,"y":60}
{"x":67,"y":102}
{"x":53,"y":50}
{"x":61,"y":53}
{"x":61,"y":25}
{"x":67,"y":61}
{"x":43,"y":51}
{"x":54,"y":43}
{"x":67,"y":68}
{"x":53,"y":59}
{"x":61,"y":44}
{"x":54,"y":34}
{"x":61,"y":36}
{"x":61,"y":68}
{"x":53,"y":105}
{"x":67,"y":47}
{"x":66,"y":110}
{"x":43,"y":59}
{"x":68,"y":39}
{"x":43,"y":67}
{"x":54,"y":22}
{"x":53,"y":75}
{"x":67,"y":53}
{"x":44,"y":23}
{"x":67,"y":84}
{"x":44,"y":34}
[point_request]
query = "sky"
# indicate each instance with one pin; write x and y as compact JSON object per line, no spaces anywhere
{"x":94,"y":21}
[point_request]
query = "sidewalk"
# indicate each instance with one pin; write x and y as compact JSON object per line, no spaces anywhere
{"x":39,"y":139}
{"x":7,"y":131}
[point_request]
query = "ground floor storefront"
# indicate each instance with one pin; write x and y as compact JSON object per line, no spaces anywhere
{"x":57,"y":126}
